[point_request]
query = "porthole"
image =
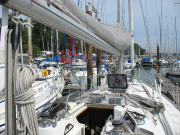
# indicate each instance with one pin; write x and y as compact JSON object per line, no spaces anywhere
{"x":40,"y":89}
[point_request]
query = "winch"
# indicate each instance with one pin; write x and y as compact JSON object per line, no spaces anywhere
{"x":122,"y":124}
{"x":48,"y":116}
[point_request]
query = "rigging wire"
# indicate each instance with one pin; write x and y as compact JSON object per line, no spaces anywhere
{"x":147,"y":27}
{"x":146,"y":13}
{"x":97,"y":5}
{"x":123,"y":13}
{"x":106,"y":11}
{"x":102,"y":8}
{"x":157,"y":11}
{"x":145,"y":24}
{"x":112,"y":12}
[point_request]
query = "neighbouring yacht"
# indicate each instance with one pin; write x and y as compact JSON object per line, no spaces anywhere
{"x":78,"y":63}
{"x":147,"y":62}
{"x":163,"y":62}
{"x":127,"y":63}
{"x":47,"y":89}
{"x":174,"y":72}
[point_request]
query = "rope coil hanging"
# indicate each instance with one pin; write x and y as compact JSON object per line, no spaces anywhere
{"x":23,"y":93}
{"x":24,"y":99}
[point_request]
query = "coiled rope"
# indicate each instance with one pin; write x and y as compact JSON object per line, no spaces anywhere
{"x":24,"y":95}
{"x":24,"y":99}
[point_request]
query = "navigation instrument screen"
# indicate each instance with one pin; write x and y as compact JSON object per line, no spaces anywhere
{"x":117,"y":81}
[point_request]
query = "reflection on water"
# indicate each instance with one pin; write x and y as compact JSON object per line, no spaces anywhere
{"x":147,"y":75}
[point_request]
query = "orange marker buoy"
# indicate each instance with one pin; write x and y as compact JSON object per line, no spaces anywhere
{"x":157,"y":66}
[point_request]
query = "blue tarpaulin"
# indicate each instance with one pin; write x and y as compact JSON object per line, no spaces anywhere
{"x":129,"y":61}
{"x":102,"y":57}
{"x":56,"y":58}
{"x":146,"y":59}
{"x":78,"y":57}
{"x":95,"y":58}
{"x":72,"y":53}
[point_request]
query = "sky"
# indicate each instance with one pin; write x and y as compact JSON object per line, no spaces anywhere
{"x":152,"y":12}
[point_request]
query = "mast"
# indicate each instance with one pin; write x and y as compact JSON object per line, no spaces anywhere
{"x":131,"y":29}
{"x":161,"y":32}
{"x":43,"y":43}
{"x":52,"y":46}
{"x":89,"y":55}
{"x":8,"y":76}
{"x":158,"y":54}
{"x":168,"y":39}
{"x":29,"y":40}
{"x":139,"y":52}
{"x":157,"y":48}
{"x":57,"y":40}
{"x":119,"y":12}
{"x":165,"y":44}
{"x":99,"y":54}
{"x":120,"y":20}
{"x":176,"y":38}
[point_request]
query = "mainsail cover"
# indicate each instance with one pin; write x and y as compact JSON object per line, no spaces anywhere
{"x":117,"y":36}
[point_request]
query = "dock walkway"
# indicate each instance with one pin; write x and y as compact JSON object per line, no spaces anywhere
{"x":169,"y":88}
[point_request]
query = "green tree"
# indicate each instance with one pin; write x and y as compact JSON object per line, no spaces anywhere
{"x":36,"y":50}
{"x":136,"y":49}
{"x":36,"y":33}
{"x":9,"y":20}
{"x":41,"y":34}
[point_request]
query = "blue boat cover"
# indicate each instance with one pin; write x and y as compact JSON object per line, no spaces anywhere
{"x":129,"y":61}
{"x":56,"y":58}
{"x":94,"y":58}
{"x":146,"y":59}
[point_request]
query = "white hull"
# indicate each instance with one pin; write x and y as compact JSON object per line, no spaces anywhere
{"x":43,"y":95}
{"x":79,"y":63}
{"x":163,"y":63}
{"x":78,"y":66}
{"x":128,"y":65}
{"x":148,"y":64}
